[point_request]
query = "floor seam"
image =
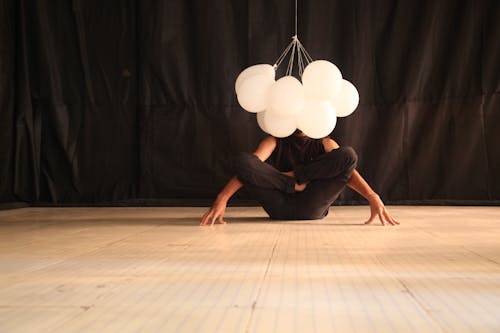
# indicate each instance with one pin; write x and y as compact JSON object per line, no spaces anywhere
{"x":420,"y":305}
{"x":408,"y":291}
{"x":261,"y":284}
{"x":480,"y":255}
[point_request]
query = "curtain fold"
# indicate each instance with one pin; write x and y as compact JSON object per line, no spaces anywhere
{"x":133,"y":101}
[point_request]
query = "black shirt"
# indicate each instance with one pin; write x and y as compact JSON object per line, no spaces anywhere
{"x":295,"y":150}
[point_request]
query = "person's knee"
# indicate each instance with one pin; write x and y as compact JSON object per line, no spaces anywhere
{"x":242,"y":162}
{"x":347,"y":159}
{"x":346,"y":154}
{"x":241,"y":159}
{"x":350,"y":156}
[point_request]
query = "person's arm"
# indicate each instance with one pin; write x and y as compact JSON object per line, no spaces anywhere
{"x":358,"y":184}
{"x":377,"y":208}
{"x":216,"y":212}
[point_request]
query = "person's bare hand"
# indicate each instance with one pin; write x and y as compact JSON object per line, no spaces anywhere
{"x":377,"y":209}
{"x":216,"y":213}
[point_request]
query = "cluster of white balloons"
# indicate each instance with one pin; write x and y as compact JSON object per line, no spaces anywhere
{"x":286,"y":104}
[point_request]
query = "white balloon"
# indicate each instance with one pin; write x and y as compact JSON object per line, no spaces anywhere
{"x":347,"y":100}
{"x":254,"y":70}
{"x":286,"y":96}
{"x":318,"y":119}
{"x":260,"y":121}
{"x":254,"y":92}
{"x":322,"y":80}
{"x":279,"y":126}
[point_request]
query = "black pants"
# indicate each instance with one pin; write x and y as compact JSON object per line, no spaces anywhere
{"x":327,"y":177}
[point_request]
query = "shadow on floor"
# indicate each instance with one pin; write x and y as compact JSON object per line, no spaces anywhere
{"x":79,"y":221}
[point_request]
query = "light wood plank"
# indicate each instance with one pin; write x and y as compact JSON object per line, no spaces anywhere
{"x":155,"y":270}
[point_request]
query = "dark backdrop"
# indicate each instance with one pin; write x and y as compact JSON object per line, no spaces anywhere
{"x":133,"y":101}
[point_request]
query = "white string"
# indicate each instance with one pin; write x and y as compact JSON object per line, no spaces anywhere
{"x":303,"y":58}
{"x":283,"y":55}
{"x":295,"y":17}
{"x":299,"y":61}
{"x":292,"y":56}
{"x":308,"y":57}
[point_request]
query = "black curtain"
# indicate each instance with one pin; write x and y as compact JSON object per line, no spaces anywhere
{"x":133,"y":101}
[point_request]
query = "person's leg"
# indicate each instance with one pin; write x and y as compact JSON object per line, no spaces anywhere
{"x":327,"y":177}
{"x":277,"y":204}
{"x":252,"y":171}
{"x":313,"y":203}
{"x":339,"y":163}
{"x":265,"y":184}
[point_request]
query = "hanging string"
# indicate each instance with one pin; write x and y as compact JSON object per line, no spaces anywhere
{"x":300,"y":59}
{"x":290,"y":63}
{"x":283,"y":55}
{"x":295,"y":17}
{"x":303,"y":58}
{"x":303,"y":50}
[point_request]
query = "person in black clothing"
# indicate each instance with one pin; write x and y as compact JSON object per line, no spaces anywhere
{"x":297,"y":178}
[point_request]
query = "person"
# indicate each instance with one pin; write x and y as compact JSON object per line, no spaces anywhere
{"x":297,"y":178}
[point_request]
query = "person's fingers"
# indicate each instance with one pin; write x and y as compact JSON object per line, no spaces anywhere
{"x":371,"y":219}
{"x":390,"y":218}
{"x":214,"y":218}
{"x":396,"y":222}
{"x":221,"y":220}
{"x":387,"y":217}
{"x":381,"y":218}
{"x":204,"y":219}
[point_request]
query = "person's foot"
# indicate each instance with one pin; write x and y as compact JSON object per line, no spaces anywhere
{"x":300,"y":187}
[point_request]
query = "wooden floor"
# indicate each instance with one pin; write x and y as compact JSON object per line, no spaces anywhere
{"x":155,"y":270}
